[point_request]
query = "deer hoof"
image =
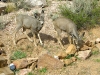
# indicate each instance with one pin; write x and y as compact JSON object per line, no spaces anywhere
{"x":31,"y":40}
{"x":42,"y":44}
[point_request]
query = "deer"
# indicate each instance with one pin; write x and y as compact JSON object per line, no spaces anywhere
{"x":68,"y":26}
{"x":35,"y":24}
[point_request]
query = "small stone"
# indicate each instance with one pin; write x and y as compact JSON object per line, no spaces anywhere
{"x":1,"y":44}
{"x":84,"y":54}
{"x":71,"y":49}
{"x":73,"y":59}
{"x":56,"y":57}
{"x":12,"y":67}
{"x":2,"y":52}
{"x":62,"y":54}
{"x":3,"y":62}
{"x":68,"y":61}
{"x":85,"y":47}
{"x":89,"y":44}
{"x":97,"y":40}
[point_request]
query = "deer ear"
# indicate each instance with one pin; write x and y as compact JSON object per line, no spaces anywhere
{"x":36,"y":15}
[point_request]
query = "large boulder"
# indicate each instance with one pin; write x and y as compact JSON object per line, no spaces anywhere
{"x":47,"y":61}
{"x":36,"y":2}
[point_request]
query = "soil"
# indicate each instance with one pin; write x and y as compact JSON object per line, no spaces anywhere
{"x":48,"y":36}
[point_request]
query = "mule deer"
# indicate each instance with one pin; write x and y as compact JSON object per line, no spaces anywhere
{"x":64,"y":24}
{"x":35,"y":24}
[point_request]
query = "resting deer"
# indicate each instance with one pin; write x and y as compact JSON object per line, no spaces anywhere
{"x":64,"y":24}
{"x":35,"y":24}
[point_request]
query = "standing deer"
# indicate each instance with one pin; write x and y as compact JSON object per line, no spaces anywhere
{"x":64,"y":24}
{"x":35,"y":24}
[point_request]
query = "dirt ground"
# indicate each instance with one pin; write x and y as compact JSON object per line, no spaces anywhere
{"x":48,"y":35}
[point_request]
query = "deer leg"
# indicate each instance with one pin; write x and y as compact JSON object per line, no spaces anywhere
{"x":15,"y":32}
{"x":34,"y":39}
{"x":34,"y":36}
{"x":59,"y":38}
{"x":24,"y":31}
{"x":70,"y":39}
{"x":40,"y":39}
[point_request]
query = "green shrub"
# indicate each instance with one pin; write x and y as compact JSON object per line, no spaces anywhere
{"x":85,"y":13}
{"x":95,"y":52}
{"x":69,"y":56}
{"x":43,"y":70}
{"x":97,"y":60}
{"x":9,"y":9}
{"x":30,"y":73}
{"x":18,"y":54}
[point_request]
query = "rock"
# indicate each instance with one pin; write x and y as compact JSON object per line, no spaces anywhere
{"x":12,"y":67}
{"x":1,"y":44}
{"x":2,"y":52}
{"x":89,"y":44}
{"x":47,"y":61}
{"x":6,"y":71}
{"x":24,"y":72}
{"x":73,"y":59}
{"x":85,"y":47}
{"x":22,"y":63}
{"x":68,"y":61}
{"x":71,"y":49}
{"x":4,"y":0}
{"x":62,"y":54}
{"x":3,"y":62}
{"x":84,"y":54}
{"x":57,"y":57}
{"x":98,"y":45}
{"x":36,"y":2}
{"x":97,"y":40}
{"x":32,"y":67}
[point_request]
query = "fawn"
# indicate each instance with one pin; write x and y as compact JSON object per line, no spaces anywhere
{"x":65,"y":24}
{"x":35,"y":24}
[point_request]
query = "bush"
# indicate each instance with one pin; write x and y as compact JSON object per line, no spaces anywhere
{"x":18,"y":54}
{"x":9,"y":9}
{"x":85,"y":13}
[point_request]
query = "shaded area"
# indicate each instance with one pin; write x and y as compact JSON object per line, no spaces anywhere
{"x":45,"y":37}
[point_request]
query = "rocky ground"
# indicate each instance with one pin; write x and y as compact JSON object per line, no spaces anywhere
{"x":48,"y":35}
